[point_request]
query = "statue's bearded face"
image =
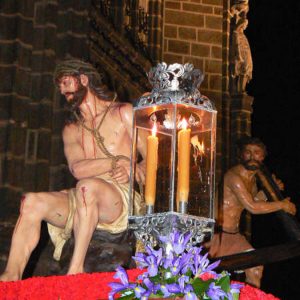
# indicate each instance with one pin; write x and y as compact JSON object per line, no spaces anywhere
{"x":73,"y":90}
{"x":252,"y":157}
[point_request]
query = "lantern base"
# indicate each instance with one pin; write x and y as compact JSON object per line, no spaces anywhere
{"x":149,"y":227}
{"x":149,"y":209}
{"x":183,"y":207}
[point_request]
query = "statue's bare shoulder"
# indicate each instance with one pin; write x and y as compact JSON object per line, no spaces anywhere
{"x":70,"y":133}
{"x":232,"y":178}
{"x":126,"y":113}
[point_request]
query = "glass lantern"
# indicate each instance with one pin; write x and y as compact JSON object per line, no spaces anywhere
{"x":174,"y":128}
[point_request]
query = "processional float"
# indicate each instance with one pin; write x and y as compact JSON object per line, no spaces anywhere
{"x":177,"y":125}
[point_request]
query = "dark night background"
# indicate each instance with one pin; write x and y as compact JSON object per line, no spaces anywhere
{"x":273,"y":34}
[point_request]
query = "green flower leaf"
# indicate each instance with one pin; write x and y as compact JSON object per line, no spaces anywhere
{"x":224,"y":283}
{"x":236,"y":296}
{"x":155,"y":279}
{"x":128,"y":297}
{"x":201,"y":286}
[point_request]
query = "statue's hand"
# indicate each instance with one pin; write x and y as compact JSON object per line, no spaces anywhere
{"x":288,"y":206}
{"x":120,"y":174}
{"x":124,"y":165}
{"x":278,"y":182}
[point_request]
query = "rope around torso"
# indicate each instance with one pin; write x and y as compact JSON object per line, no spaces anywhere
{"x":100,"y":139}
{"x":100,"y":143}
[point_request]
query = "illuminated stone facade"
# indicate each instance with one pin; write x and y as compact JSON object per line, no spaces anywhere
{"x":122,"y":39}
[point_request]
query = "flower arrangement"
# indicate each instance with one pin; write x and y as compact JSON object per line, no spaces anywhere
{"x":176,"y":270}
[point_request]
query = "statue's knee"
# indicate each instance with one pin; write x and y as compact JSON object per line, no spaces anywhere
{"x":258,"y":271}
{"x":254,"y":275}
{"x":31,"y":203}
{"x":87,"y":190}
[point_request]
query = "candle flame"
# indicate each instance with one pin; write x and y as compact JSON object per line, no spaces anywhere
{"x":154,"y":129}
{"x":184,"y":123}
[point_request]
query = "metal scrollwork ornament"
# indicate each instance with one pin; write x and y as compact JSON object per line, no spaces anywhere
{"x":175,"y":83}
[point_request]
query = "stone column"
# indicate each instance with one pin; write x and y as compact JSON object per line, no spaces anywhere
{"x":240,"y":73}
{"x":240,"y":124}
{"x":155,"y":30}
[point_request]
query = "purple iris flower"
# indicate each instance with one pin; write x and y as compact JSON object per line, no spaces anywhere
{"x":156,"y":253}
{"x":139,"y":291}
{"x":201,"y":264}
{"x":149,"y":261}
{"x":151,"y":287}
{"x":177,"y":241}
{"x":168,"y":260}
{"x":152,"y":265}
{"x":186,"y":262}
{"x":140,"y":258}
{"x":190,"y":296}
{"x":169,"y":289}
{"x":234,"y":289}
{"x":122,"y":275}
{"x":182,"y":280}
{"x":118,"y":287}
{"x":181,"y":244}
{"x":165,"y":290}
{"x":176,"y":266}
{"x":215,"y":292}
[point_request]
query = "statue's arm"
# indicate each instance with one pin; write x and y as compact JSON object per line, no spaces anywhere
{"x":79,"y":166}
{"x":238,"y":187}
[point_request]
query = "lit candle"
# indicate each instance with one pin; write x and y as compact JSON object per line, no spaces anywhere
{"x":183,"y":183}
{"x":151,"y":170}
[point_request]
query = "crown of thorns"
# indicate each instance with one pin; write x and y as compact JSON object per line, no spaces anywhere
{"x":75,"y":67}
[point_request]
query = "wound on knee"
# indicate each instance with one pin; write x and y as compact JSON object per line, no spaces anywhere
{"x":83,"y":191}
{"x":21,"y":212}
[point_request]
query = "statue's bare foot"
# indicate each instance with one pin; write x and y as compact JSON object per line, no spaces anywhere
{"x":6,"y":276}
{"x":73,"y":271}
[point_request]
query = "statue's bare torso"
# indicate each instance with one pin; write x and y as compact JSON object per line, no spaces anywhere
{"x":232,"y":206}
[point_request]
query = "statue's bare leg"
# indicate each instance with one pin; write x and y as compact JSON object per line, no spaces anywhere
{"x":97,"y":201}
{"x":254,"y":275}
{"x":52,"y":207}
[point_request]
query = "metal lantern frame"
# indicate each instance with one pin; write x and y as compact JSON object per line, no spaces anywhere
{"x":175,"y":91}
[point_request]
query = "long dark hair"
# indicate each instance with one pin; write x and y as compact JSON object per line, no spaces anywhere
{"x":75,"y":68}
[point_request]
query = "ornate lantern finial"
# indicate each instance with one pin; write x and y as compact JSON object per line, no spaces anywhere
{"x":175,"y":83}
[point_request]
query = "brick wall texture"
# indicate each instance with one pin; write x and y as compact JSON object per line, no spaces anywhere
{"x":34,"y":35}
{"x":193,"y":32}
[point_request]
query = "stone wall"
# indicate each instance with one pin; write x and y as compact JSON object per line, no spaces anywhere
{"x":193,"y":32}
{"x":34,"y":36}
